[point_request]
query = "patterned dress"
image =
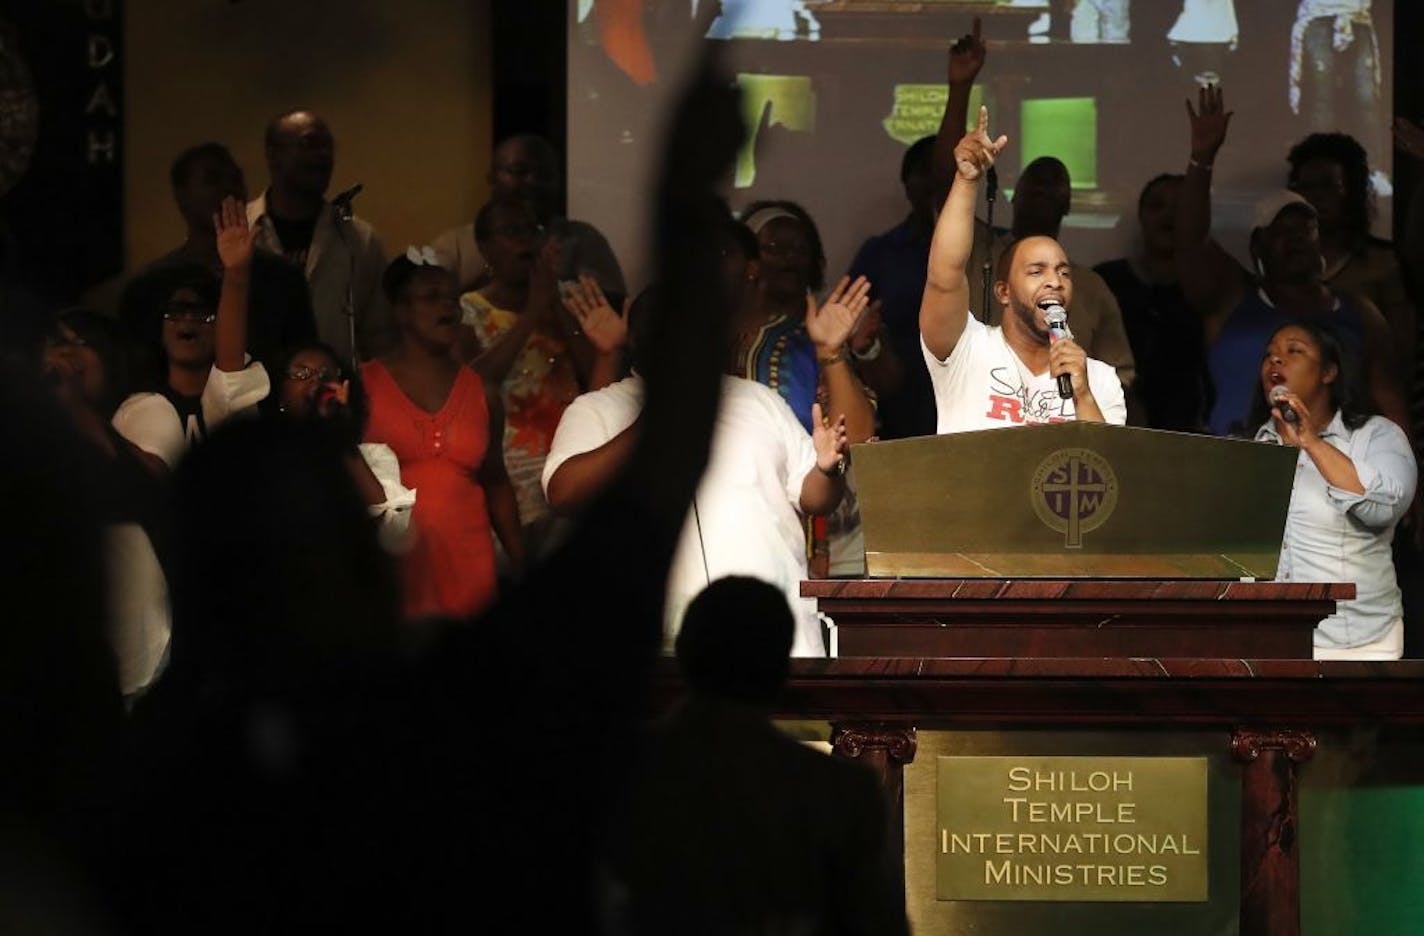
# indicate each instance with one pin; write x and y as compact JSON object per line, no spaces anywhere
{"x":540,"y":385}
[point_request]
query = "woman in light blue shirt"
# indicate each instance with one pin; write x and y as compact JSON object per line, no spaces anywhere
{"x":1354,"y":480}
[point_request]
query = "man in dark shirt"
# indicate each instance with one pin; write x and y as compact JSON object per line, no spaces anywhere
{"x":1172,"y":388}
{"x":280,"y":313}
{"x":339,"y":253}
{"x":731,"y":826}
{"x":895,"y":263}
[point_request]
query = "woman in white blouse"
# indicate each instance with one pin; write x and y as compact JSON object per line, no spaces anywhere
{"x":204,"y":373}
{"x":1354,"y":480}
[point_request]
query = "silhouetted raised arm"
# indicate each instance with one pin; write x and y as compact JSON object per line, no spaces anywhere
{"x":966,"y":57}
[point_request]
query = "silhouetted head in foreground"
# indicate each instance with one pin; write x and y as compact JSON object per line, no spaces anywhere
{"x":735,"y":641}
{"x":279,"y":568}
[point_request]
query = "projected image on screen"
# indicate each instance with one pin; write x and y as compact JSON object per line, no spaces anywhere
{"x":835,"y":90}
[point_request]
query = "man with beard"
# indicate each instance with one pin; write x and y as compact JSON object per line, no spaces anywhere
{"x":992,"y":376}
{"x":1043,"y":196}
{"x":342,"y":257}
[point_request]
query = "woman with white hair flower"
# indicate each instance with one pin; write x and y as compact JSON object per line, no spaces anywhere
{"x":446,"y":432}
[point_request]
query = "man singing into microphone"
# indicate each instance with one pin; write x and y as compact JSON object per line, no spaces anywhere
{"x":988,"y":377}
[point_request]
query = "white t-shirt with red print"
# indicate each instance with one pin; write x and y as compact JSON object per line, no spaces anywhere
{"x":984,"y":385}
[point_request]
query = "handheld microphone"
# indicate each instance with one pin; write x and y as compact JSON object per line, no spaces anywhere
{"x":1057,"y":318}
{"x":1278,"y":400}
{"x":331,"y":399}
{"x":991,"y":185}
{"x":342,"y":202}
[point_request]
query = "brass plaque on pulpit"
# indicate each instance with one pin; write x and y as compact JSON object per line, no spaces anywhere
{"x":1083,"y":829}
{"x":1073,"y":500}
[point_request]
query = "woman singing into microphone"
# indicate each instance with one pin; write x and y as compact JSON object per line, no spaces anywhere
{"x":1354,"y":480}
{"x":318,"y":391}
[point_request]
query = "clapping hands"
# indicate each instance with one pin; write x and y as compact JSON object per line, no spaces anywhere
{"x":831,"y":325}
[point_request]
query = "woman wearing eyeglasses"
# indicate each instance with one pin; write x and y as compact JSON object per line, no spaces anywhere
{"x":200,"y":375}
{"x":316,"y":390}
{"x":83,"y":364}
{"x":434,"y":414}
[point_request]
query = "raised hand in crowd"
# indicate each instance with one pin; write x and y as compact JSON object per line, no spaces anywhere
{"x":830,"y":327}
{"x":540,"y":313}
{"x":829,"y":439}
{"x":944,"y":309}
{"x":235,"y":246}
{"x":1209,"y":122}
{"x":976,"y":151}
{"x":966,"y":57}
{"x":822,"y":489}
{"x":1212,"y":280}
{"x":235,"y":239}
{"x":605,"y":328}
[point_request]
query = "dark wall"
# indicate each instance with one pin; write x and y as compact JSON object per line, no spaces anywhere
{"x":61,"y":143}
{"x":530,"y":60}
{"x":1408,"y":100}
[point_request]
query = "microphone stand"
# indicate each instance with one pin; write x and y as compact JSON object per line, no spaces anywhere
{"x":991,"y":195}
{"x":344,"y":214}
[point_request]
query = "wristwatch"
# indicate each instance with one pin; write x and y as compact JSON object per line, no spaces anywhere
{"x":870,"y":353}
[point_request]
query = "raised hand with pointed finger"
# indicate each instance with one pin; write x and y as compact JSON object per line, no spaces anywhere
{"x":831,"y":325}
{"x":976,"y":152}
{"x":966,"y":57}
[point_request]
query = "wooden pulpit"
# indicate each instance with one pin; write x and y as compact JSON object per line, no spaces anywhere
{"x":1082,"y":579}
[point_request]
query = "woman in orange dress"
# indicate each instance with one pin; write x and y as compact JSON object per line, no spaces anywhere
{"x":447,"y":433}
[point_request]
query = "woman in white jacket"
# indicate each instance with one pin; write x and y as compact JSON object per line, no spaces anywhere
{"x":199,"y":337}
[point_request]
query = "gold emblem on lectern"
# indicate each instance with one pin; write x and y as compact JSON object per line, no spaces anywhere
{"x":1074,"y":492}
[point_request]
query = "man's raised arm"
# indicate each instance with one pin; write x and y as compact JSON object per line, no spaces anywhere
{"x":945,"y":306}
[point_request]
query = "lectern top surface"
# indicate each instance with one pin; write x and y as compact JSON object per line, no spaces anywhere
{"x":1033,"y":589}
{"x":1073,"y":500}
